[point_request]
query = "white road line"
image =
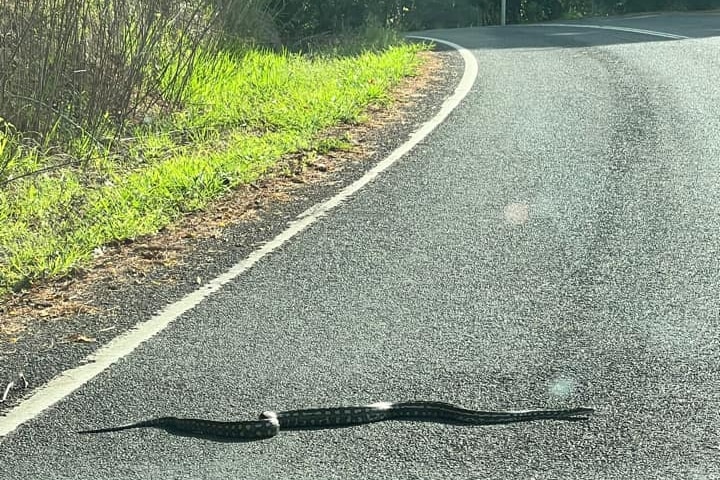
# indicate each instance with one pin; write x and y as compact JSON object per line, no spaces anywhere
{"x":611,"y":27}
{"x":567,"y":34}
{"x":637,"y":17}
{"x":70,"y":380}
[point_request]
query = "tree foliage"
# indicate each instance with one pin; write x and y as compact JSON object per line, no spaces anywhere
{"x":298,"y":18}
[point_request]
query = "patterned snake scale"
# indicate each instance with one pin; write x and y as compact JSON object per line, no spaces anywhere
{"x":271,"y":423}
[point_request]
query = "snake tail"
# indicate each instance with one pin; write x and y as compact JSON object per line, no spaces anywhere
{"x":452,"y":414}
{"x":199,"y":428}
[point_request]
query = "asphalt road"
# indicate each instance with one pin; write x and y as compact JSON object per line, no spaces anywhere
{"x":554,"y":243}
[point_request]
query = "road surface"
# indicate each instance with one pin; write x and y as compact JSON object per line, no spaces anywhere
{"x":553,"y":243}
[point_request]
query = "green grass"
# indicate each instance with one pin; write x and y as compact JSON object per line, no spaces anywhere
{"x":244,"y":111}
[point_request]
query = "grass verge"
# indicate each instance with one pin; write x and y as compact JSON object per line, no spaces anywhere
{"x":245,"y":110}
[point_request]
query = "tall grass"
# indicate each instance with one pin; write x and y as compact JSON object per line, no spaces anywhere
{"x":70,"y":66}
{"x":243,"y":110}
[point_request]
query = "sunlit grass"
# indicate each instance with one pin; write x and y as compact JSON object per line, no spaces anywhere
{"x":244,"y":111}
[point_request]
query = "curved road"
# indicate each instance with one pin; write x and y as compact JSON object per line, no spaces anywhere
{"x":553,"y":243}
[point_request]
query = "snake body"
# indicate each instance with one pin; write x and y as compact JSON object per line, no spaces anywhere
{"x":271,"y":423}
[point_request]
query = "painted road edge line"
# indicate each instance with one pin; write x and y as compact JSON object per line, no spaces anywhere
{"x":70,"y":380}
{"x":618,"y":29}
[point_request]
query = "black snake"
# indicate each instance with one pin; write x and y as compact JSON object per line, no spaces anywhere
{"x":270,"y":423}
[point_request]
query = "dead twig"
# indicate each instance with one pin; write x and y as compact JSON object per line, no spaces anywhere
{"x":7,"y":390}
{"x":12,"y":385}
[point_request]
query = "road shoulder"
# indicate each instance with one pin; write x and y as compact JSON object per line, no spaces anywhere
{"x":59,"y":324}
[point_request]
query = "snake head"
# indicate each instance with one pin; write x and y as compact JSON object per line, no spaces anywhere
{"x":269,"y":415}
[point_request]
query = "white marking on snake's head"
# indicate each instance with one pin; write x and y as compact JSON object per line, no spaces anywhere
{"x":271,"y":417}
{"x":381,"y":405}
